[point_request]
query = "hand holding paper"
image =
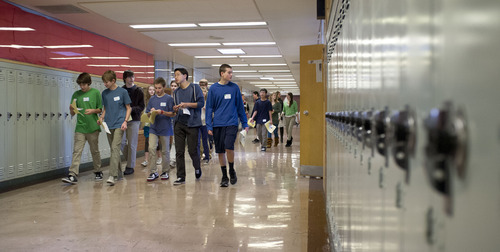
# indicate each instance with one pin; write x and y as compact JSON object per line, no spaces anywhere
{"x":75,"y":108}
{"x":270,"y":127}
{"x":251,"y":123}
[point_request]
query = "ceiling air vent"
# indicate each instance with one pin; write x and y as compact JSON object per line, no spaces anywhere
{"x":61,"y":9}
{"x":201,"y":68}
{"x":295,"y":62}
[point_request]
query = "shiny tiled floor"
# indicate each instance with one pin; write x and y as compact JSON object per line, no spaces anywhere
{"x":267,"y":210}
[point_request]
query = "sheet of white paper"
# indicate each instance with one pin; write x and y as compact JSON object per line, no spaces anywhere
{"x":185,"y":111}
{"x":243,"y":135}
{"x":105,"y":125}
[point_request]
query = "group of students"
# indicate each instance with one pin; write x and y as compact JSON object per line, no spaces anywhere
{"x":120,"y":110}
{"x":281,"y":114}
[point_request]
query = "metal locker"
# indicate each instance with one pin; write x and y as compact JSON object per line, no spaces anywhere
{"x":11,"y":127}
{"x":68,"y":130}
{"x":46,"y":122}
{"x":60,"y":121}
{"x":38,"y":110}
{"x":3,"y":121}
{"x":54,"y":123}
{"x":21,"y":121}
{"x":30,"y":122}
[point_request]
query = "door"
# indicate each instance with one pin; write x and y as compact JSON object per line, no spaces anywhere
{"x":312,"y":111}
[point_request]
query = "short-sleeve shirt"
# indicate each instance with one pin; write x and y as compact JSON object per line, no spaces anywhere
{"x":163,"y":123}
{"x":87,"y":100}
{"x":115,"y":102}
{"x":262,"y":108}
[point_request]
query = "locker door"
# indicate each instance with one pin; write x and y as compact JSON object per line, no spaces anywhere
{"x":39,"y":125}
{"x":68,"y":131}
{"x":21,"y":122}
{"x":11,"y":130}
{"x":46,"y":122}
{"x":3,"y":120}
{"x":60,"y":122}
{"x":30,"y":122}
{"x":54,"y":131}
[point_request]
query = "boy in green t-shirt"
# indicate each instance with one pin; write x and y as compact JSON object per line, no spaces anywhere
{"x":88,"y":104}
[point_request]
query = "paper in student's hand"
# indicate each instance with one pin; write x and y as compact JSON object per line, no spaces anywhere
{"x":153,"y":115}
{"x":144,"y":118}
{"x":243,"y":135}
{"x":105,"y":126}
{"x":251,"y":124}
{"x":75,"y":109}
{"x":270,"y":127}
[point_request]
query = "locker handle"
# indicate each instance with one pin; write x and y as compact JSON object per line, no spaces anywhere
{"x":59,"y":115}
{"x":367,"y":128}
{"x":37,"y":115}
{"x":28,"y":115}
{"x":44,"y":115}
{"x":66,"y":115}
{"x":381,"y":123}
{"x":9,"y":115}
{"x":52,"y":115}
{"x":403,"y":135}
{"x":358,"y":120}
{"x":19,"y":115}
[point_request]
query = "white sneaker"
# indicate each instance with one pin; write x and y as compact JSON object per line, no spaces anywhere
{"x":145,"y":163}
{"x":158,"y":161}
{"x":111,"y":181}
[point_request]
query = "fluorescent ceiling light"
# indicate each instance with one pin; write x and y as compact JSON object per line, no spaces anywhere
{"x":67,"y":46}
{"x":110,"y":57}
{"x":277,"y":64}
{"x":194,"y":44}
{"x":159,"y":26}
{"x":266,"y":78}
{"x":261,"y":56}
{"x":284,"y":79}
{"x":231,"y":51}
{"x":16,"y":29}
{"x":233,"y":65}
{"x":248,"y":43}
{"x":70,"y":58}
{"x":163,"y":70}
{"x":261,"y":83}
{"x":286,"y":82}
{"x":216,"y":57}
{"x":274,"y":71}
{"x":20,"y":46}
{"x":278,"y":76}
{"x":103,"y":65}
{"x":248,"y":76}
{"x":136,"y":66}
{"x":244,"y":71}
{"x":231,"y":24}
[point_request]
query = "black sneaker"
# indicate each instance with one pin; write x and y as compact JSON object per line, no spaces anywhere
{"x":197,"y":173}
{"x":128,"y":171}
{"x":232,"y":175}
{"x":263,"y":149}
{"x":255,"y":140}
{"x":224,"y":182}
{"x":164,"y":176}
{"x":98,"y":176}
{"x":152,"y":176}
{"x":179,"y":181}
{"x":70,"y":180}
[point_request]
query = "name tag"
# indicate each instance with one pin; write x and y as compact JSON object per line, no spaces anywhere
{"x":117,"y":98}
{"x":264,"y":120}
{"x":163,"y":104}
{"x":227,"y":96}
{"x":85,"y":99}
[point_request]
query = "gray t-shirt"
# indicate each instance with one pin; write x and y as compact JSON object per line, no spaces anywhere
{"x":114,"y":102}
{"x":190,"y":94}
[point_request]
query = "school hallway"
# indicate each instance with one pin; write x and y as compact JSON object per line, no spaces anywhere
{"x":267,"y":210}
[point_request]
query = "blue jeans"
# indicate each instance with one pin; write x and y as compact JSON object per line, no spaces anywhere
{"x":203,"y":136}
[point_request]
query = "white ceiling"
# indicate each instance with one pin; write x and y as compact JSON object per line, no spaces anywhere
{"x":290,"y":23}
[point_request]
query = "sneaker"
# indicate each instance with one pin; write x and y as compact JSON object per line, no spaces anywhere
{"x":98,"y":176}
{"x":111,"y":181}
{"x":158,"y":161}
{"x":70,"y":180}
{"x":164,"y":176}
{"x":206,"y":161}
{"x":255,"y":140}
{"x":153,"y":176}
{"x":263,"y":149}
{"x":172,"y":165}
{"x":224,"y":182}
{"x":128,"y":171}
{"x":232,"y":175}
{"x":179,"y":181}
{"x":197,"y":173}
{"x":145,"y":163}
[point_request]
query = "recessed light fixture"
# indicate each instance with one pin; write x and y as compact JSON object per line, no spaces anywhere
{"x":16,"y":29}
{"x":70,"y":58}
{"x":67,"y":46}
{"x":284,"y":79}
{"x":232,"y":24}
{"x":285,"y":82}
{"x":136,"y":66}
{"x":194,"y":44}
{"x":248,"y":43}
{"x":110,"y":57}
{"x":163,"y":70}
{"x":231,"y":51}
{"x":91,"y":65}
{"x":274,"y":71}
{"x":261,"y":83}
{"x":233,"y":65}
{"x":160,"y":26}
{"x":20,"y":46}
{"x":244,"y":71}
{"x":216,"y":57}
{"x":261,"y":56}
{"x":276,"y":64}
